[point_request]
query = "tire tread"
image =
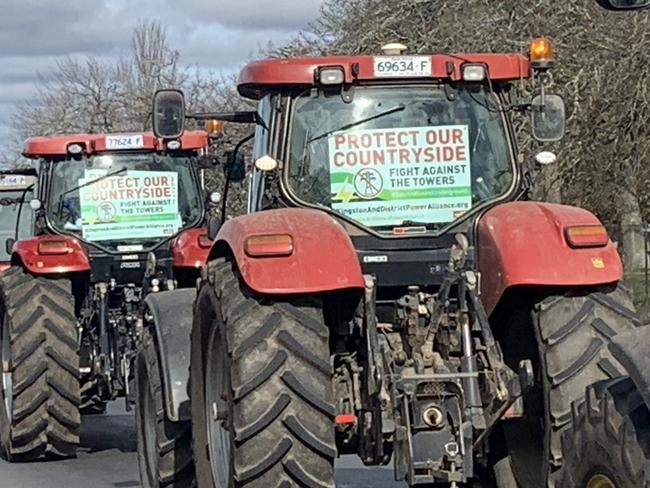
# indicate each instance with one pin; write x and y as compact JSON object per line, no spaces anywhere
{"x":45,"y":359}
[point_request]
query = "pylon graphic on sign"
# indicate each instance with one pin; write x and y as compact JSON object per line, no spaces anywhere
{"x":368,"y":183}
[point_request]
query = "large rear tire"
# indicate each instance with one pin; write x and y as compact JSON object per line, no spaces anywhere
{"x":608,"y":445}
{"x":164,"y":447}
{"x":261,"y":388}
{"x":572,"y":332}
{"x":39,"y":411}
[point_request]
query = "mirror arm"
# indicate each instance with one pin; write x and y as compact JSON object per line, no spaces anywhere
{"x":259,"y":120}
{"x":224,"y":202}
{"x":244,"y":117}
{"x":242,"y":142}
{"x":228,"y":168}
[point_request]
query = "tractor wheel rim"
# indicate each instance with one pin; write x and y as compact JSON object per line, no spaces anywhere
{"x":219,"y":442}
{"x":7,"y":375}
{"x":600,"y":481}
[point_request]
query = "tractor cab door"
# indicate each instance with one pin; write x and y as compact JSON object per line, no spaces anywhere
{"x":262,"y":147}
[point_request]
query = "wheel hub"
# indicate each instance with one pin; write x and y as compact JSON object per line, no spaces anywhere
{"x":7,"y":376}
{"x":600,"y":481}
{"x":219,"y":443}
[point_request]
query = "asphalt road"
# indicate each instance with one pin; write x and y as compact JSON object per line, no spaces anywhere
{"x":106,"y":459}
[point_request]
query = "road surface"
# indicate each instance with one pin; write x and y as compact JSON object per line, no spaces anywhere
{"x":106,"y":459}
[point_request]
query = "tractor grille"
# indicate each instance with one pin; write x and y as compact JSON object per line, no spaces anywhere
{"x":431,"y":388}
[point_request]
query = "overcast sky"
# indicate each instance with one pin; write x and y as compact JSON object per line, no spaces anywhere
{"x":216,"y":34}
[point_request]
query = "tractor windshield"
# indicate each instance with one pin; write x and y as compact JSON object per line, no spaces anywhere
{"x":399,"y":156}
{"x":124,"y":202}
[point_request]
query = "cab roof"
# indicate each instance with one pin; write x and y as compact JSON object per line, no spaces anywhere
{"x":259,"y":77}
{"x":58,"y":145}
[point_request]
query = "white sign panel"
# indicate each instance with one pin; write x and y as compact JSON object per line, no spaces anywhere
{"x":402,"y":66}
{"x":124,"y":142}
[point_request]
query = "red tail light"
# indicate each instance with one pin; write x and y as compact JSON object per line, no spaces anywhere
{"x":586,"y":236}
{"x":345,"y":418}
{"x":204,"y":241}
{"x":269,"y":245}
{"x":53,"y":246}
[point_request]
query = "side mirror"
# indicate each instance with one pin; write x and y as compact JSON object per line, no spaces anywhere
{"x":9,"y":245}
{"x":624,"y":4}
{"x":206,"y":161}
{"x":168,"y":114}
{"x":235,"y":166}
{"x":548,"y":118}
{"x":214,"y":224}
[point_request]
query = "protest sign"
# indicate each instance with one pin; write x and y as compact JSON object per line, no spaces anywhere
{"x":387,"y":176}
{"x":136,"y":204}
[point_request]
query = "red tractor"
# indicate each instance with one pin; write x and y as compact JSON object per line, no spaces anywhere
{"x":16,"y":190}
{"x":118,"y":223}
{"x":608,"y":445}
{"x":392,"y":293}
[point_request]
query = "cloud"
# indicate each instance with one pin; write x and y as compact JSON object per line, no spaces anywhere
{"x":279,"y":15}
{"x":44,"y":27}
{"x":216,"y":35}
{"x":224,"y":48}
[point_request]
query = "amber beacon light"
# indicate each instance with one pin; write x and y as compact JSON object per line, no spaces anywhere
{"x":542,"y":53}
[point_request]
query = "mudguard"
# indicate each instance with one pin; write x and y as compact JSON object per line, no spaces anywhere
{"x":172,"y":314}
{"x":75,"y":259}
{"x":323,"y":257}
{"x":523,"y":243}
{"x":187,"y":251}
{"x":631,"y":350}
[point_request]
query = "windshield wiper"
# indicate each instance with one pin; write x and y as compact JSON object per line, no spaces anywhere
{"x":396,"y":108}
{"x":88,"y":183}
{"x":92,"y":182}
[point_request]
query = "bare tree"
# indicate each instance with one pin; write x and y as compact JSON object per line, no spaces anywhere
{"x":152,"y":64}
{"x":91,"y":95}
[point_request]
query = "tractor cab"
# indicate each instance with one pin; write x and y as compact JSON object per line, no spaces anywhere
{"x":122,"y":198}
{"x":396,"y":145}
{"x":16,"y":217}
{"x":403,"y":150}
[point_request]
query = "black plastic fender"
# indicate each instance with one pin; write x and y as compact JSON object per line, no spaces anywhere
{"x":631,"y":350}
{"x":172,"y":318}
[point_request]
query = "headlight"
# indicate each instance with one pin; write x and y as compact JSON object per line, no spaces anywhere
{"x":474,"y":72}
